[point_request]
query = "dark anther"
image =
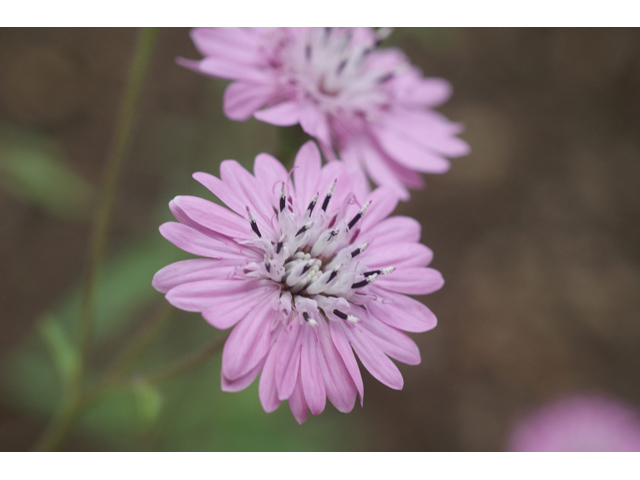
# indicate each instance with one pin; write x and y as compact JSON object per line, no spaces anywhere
{"x":355,"y":219}
{"x":302,"y":230}
{"x":306,"y":316}
{"x":311,"y":206}
{"x":325,"y":204}
{"x":278,"y":247}
{"x":306,"y":268}
{"x":268,"y":267}
{"x":341,"y":66}
{"x":340,"y":314}
{"x":282,"y":203}
{"x":333,"y":275}
{"x":386,"y":77}
{"x":372,"y":272}
{"x":356,"y":252}
{"x":254,"y":227}
{"x":359,"y":284}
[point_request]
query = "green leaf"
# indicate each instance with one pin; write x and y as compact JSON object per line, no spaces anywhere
{"x":66,"y":356}
{"x":33,"y":168}
{"x":149,"y":402}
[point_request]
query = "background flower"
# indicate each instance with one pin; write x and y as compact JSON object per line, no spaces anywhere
{"x":370,"y":105}
{"x":587,"y":423}
{"x":305,"y":270}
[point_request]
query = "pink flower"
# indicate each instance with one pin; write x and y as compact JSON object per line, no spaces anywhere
{"x":579,"y":424}
{"x":370,"y":105}
{"x":308,"y":270}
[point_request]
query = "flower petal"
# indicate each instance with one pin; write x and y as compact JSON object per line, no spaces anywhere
{"x":197,"y":243}
{"x":267,"y":388}
{"x":390,"y":340}
{"x":340,"y":388}
{"x":243,"y":99}
{"x":412,"y":281}
{"x":248,"y":342}
{"x":243,"y":382}
{"x":187,"y":271}
{"x":346,"y":353}
{"x":402,"y":312}
{"x":395,"y":230}
{"x":284,"y":114}
{"x":306,"y":172}
{"x":214,"y":217}
{"x":310,"y":375}
{"x":298,"y":404}
{"x":288,"y":361}
{"x":382,"y":255}
{"x":372,"y":358}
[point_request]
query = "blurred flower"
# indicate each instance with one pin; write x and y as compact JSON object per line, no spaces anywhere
{"x":370,"y":105}
{"x":305,"y":271}
{"x":586,"y":423}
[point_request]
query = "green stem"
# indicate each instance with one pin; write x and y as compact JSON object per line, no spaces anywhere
{"x":185,"y":364}
{"x":142,"y":340}
{"x":113,"y":170}
{"x":75,"y":396}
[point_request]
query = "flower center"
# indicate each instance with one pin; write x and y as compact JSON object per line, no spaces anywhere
{"x":316,"y":260}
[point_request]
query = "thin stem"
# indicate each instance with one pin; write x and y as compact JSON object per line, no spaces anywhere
{"x":142,"y":340}
{"x":52,"y":438}
{"x":192,"y":361}
{"x":113,"y":170}
{"x":74,"y":397}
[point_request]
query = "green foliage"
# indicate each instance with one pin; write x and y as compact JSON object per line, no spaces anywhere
{"x":34,"y":169}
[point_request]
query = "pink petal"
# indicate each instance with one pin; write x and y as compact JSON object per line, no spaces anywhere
{"x":197,"y":243}
{"x":250,"y":193}
{"x":284,"y":114}
{"x":390,"y":340}
{"x":230,"y":309}
{"x":270,"y":173}
{"x":267,"y":388}
{"x":187,"y":271}
{"x":214,"y":217}
{"x":314,"y":122}
{"x":383,"y":203}
{"x":232,"y":70}
{"x":310,"y":375}
{"x":288,"y":361}
{"x":373,"y":359}
{"x":235,"y":44}
{"x":306,"y":173}
{"x":242,"y":99}
{"x":402,"y":312}
{"x":298,"y":404}
{"x":198,"y":296}
{"x":346,"y":353}
{"x":410,"y":154}
{"x":241,"y":383}
{"x":412,"y":281}
{"x":340,"y":388}
{"x":214,"y":41}
{"x":382,"y":255}
{"x":427,"y":129}
{"x":248,"y":343}
{"x":222,"y":191}
{"x":380,"y":169}
{"x":395,"y":230}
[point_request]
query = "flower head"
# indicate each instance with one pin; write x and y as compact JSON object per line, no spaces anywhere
{"x":586,"y":423}
{"x":369,"y":104}
{"x":308,"y":270}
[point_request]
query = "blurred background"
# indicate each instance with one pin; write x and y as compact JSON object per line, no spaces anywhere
{"x":537,"y":234}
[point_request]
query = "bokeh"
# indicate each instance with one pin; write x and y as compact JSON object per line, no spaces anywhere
{"x":537,"y":234}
